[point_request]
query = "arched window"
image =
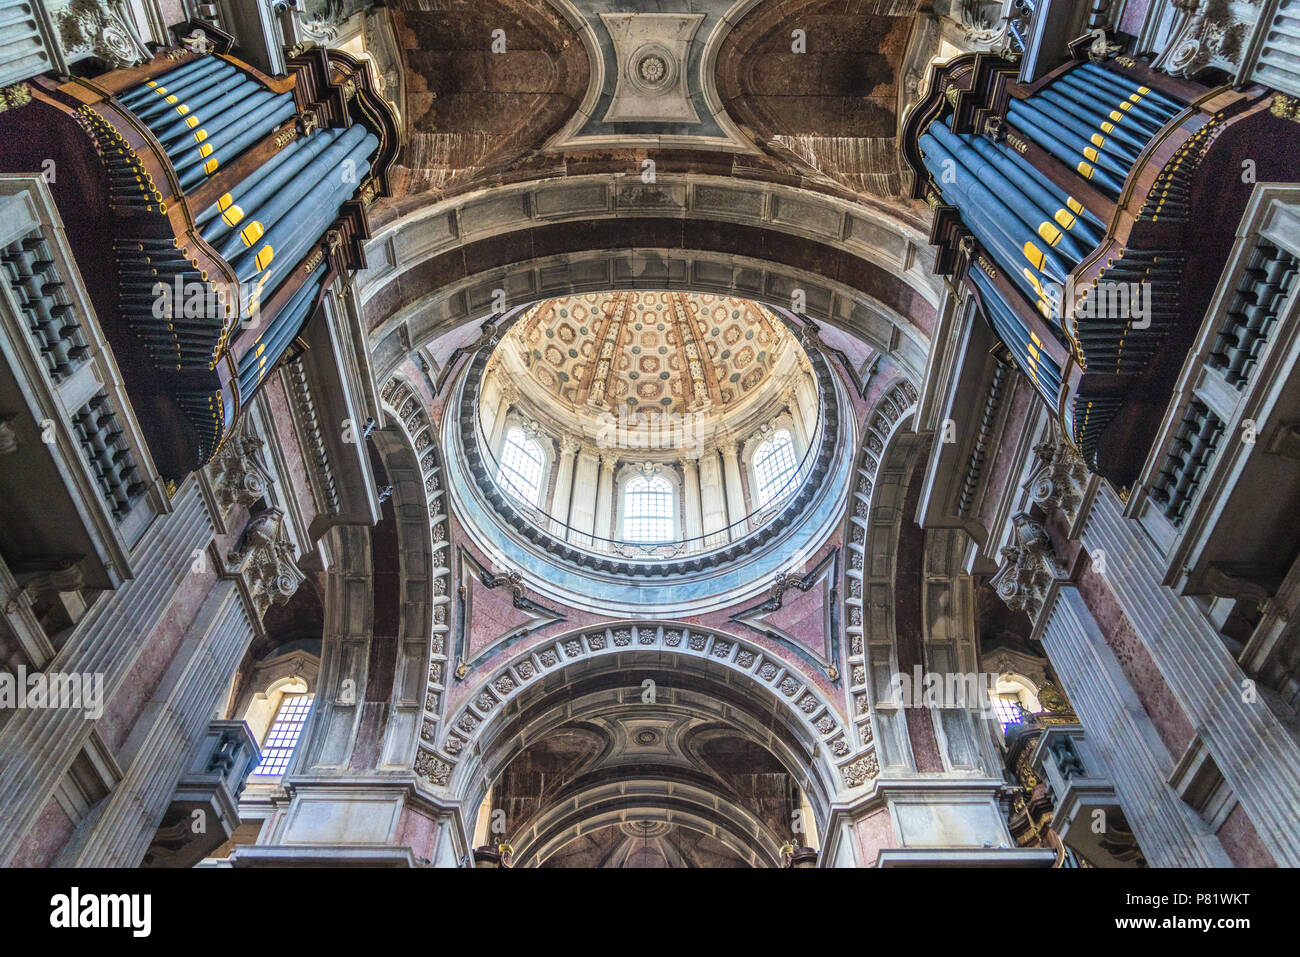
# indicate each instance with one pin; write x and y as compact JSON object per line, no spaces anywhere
{"x":648,"y":510}
{"x":774,"y":467}
{"x":520,"y":469}
{"x":1013,"y":699}
{"x":278,"y":746}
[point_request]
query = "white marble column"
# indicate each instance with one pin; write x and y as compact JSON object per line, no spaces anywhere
{"x":563,"y":487}
{"x":605,"y":498}
{"x":495,"y":437}
{"x":582,"y":511}
{"x":1169,"y":832}
{"x":713,"y":505}
{"x":121,"y":828}
{"x":800,"y":431}
{"x":1257,"y":755}
{"x":736,"y":510}
{"x":691,"y":500}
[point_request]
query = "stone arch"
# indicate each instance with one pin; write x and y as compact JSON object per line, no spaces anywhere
{"x":862,"y":270}
{"x":796,"y":718}
{"x":382,"y":666}
{"x":887,"y":455}
{"x":606,"y":804}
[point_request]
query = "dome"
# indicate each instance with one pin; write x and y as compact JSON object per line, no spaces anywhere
{"x":667,"y":352}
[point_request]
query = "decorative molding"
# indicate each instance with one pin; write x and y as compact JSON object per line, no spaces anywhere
{"x":408,"y":408}
{"x":536,"y":616}
{"x":494,"y":694}
{"x":1061,"y":479}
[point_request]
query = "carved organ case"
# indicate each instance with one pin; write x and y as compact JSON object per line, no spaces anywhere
{"x":217,"y":209}
{"x":1087,"y":214}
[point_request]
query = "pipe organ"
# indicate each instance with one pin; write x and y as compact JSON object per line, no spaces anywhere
{"x":223,"y":205}
{"x":1086,"y":214}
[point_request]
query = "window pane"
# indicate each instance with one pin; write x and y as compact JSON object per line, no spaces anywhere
{"x":774,"y":467}
{"x":280,"y":740}
{"x":520,"y":469}
{"x":1008,"y":711}
{"x":648,"y":510}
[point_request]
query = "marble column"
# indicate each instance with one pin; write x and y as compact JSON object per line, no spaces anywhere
{"x":1254,"y":751}
{"x":713,"y":507}
{"x":736,"y":510}
{"x":691,"y":500}
{"x":582,"y":512}
{"x":495,"y":437}
{"x":605,"y":499}
{"x":1170,"y":833}
{"x":800,"y":431}
{"x":563,"y":488}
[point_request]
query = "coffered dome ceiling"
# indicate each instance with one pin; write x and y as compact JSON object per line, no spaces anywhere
{"x":650,"y":351}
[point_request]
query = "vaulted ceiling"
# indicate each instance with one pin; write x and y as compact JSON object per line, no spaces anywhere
{"x":567,"y":93}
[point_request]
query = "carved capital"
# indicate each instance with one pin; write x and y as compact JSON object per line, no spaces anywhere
{"x":265,"y":559}
{"x":1061,"y":478}
{"x":239,"y":475}
{"x":1029,"y":566}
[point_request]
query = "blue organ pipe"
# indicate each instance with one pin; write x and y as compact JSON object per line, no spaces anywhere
{"x":1040,"y":117}
{"x":200,"y":96}
{"x":1093,"y":113}
{"x":296,"y":246}
{"x":230,"y":209}
{"x":1118,"y":158}
{"x":1111,"y":102}
{"x":264,"y":218}
{"x":273,"y":341}
{"x":1008,"y":255}
{"x":254,"y":130}
{"x":1041,"y":134}
{"x":190,"y":89}
{"x":1170,"y":105}
{"x":983,"y":203}
{"x":296,"y":230}
{"x":1104,"y":135}
{"x":1042,"y":222}
{"x":1045,"y":194}
{"x":278,"y":334}
{"x":172,"y":78}
{"x":242,"y":105}
{"x":1012,"y":331}
{"x":1152,"y":115}
{"x":204,"y":111}
{"x":246,"y":117}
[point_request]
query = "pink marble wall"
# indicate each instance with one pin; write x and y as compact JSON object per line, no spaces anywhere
{"x":44,"y":841}
{"x":1241,"y":841}
{"x":1153,"y":692}
{"x":874,"y":833}
{"x":418,"y":831}
{"x":287,"y":436}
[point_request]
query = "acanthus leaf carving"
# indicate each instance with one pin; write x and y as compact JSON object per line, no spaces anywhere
{"x":1029,"y":566}
{"x":265,"y":558}
{"x":239,"y":476}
